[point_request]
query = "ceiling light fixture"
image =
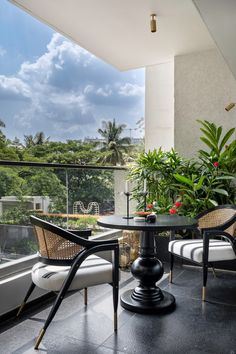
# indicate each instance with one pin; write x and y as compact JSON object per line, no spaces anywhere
{"x":153,"y":23}
{"x":229,"y":106}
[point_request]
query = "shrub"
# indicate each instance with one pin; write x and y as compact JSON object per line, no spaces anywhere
{"x":196,"y":184}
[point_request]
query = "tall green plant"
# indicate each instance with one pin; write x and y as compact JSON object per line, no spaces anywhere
{"x":219,"y":150}
{"x":158,"y":168}
{"x":197,"y":184}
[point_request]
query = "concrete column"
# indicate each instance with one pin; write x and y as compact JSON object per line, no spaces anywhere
{"x":159,"y":102}
{"x":204,"y":85}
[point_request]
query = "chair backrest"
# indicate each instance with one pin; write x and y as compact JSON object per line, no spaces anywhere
{"x":223,"y":216}
{"x":53,"y":246}
{"x":54,"y":242}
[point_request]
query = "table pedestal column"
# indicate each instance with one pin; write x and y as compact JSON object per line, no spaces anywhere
{"x":147,"y":297}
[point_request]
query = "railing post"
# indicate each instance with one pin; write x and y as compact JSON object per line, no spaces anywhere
{"x":67,"y":199}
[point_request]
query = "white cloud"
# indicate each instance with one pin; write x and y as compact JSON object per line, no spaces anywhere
{"x":71,"y":92}
{"x":13,"y":88}
{"x":129,"y":89}
{"x":2,"y":51}
{"x":105,"y":92}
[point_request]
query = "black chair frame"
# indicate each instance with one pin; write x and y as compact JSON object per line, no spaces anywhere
{"x":89,"y":247}
{"x":206,"y":234}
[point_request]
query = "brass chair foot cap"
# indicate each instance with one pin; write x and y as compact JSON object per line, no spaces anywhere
{"x":20,"y":309}
{"x":40,"y":336}
{"x":204,"y":293}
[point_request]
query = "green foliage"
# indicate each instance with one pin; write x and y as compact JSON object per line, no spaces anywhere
{"x":44,"y":182}
{"x":79,"y":223}
{"x":19,"y":215}
{"x":158,"y":168}
{"x":82,"y":223}
{"x":218,"y":150}
{"x":10,"y":182}
{"x":198,"y":184}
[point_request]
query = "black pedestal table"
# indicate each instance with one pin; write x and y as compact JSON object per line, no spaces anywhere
{"x":147,"y":297}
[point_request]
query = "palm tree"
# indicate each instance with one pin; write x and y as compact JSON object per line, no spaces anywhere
{"x":113,"y":146}
{"x":2,"y":125}
{"x":38,"y":139}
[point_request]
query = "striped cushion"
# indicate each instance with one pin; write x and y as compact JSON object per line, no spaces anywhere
{"x":93,"y":271}
{"x":193,"y":250}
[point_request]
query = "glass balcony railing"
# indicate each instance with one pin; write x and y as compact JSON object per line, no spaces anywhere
{"x":70,"y":196}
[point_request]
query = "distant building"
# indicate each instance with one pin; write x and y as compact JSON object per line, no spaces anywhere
{"x":136,"y":141}
{"x":32,"y":202}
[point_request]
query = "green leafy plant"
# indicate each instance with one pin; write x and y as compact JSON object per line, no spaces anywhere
{"x":197,"y":184}
{"x":158,"y":167}
{"x":221,"y":153}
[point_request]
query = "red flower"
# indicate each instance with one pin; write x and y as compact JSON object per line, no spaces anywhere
{"x":172,"y":211}
{"x":178,"y":204}
{"x":216,"y":164}
{"x":150,"y":206}
{"x":182,"y":192}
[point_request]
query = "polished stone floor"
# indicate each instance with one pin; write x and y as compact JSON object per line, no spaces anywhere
{"x":191,"y":328}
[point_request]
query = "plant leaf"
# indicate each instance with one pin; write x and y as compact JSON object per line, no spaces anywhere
{"x":226,"y":138}
{"x":213,"y":202}
{"x":207,"y":142}
{"x":225,"y":177}
{"x":183,"y":179}
{"x":199,"y":184}
{"x":220,"y":191}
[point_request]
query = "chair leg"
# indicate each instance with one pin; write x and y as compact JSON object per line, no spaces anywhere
{"x":205,"y":273}
{"x":171,"y":267}
{"x":85,"y":296}
{"x":56,"y":304}
{"x":115,"y":303}
{"x":115,"y":286}
{"x":214,"y":272}
{"x":29,"y":292}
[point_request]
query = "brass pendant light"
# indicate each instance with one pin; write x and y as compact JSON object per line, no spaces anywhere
{"x":153,"y":23}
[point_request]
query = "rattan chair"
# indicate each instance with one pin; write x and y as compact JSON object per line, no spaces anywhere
{"x":68,"y":262}
{"x":214,"y":241}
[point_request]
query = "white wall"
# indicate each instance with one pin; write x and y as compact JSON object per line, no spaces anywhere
{"x":204,"y":85}
{"x":159,"y":103}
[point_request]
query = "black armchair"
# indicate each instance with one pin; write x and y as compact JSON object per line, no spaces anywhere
{"x":216,"y":242}
{"x":68,"y":262}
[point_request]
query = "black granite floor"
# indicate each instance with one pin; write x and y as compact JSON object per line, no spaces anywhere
{"x":193,"y":327}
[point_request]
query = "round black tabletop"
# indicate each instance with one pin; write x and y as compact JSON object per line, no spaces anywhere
{"x":163,"y":222}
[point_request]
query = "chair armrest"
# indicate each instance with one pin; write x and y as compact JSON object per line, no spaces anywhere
{"x":95,"y":249}
{"x":86,"y":242}
{"x":210,"y":233}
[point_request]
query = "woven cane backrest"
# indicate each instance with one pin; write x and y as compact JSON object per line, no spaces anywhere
{"x":53,"y":246}
{"x":218,"y":217}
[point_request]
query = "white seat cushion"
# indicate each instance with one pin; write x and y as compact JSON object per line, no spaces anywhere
{"x":93,"y":271}
{"x":193,"y":250}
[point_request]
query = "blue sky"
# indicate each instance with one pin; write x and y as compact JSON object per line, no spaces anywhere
{"x":50,"y":84}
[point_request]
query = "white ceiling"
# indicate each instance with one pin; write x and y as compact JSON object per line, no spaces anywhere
{"x":118,"y":31}
{"x":220,"y":18}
